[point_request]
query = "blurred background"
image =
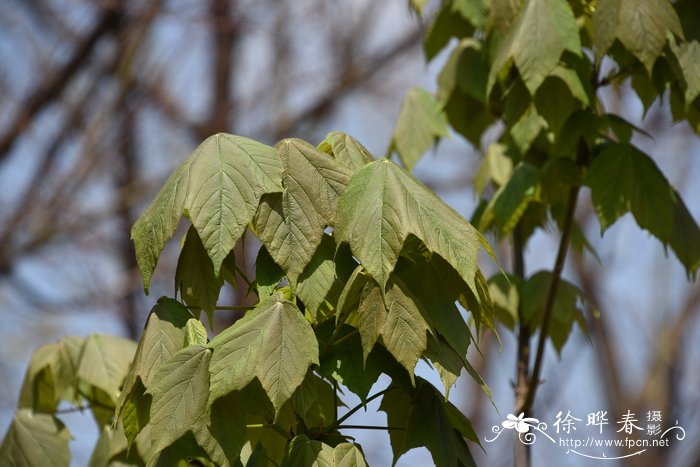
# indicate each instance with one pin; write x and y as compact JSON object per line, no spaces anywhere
{"x":101,"y":99}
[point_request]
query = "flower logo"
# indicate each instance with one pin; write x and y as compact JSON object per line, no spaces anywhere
{"x":521,"y":423}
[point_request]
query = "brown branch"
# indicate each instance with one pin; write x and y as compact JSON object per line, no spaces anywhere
{"x":56,"y":82}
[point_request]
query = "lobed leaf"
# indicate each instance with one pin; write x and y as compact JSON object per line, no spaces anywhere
{"x":273,"y":342}
{"x":35,"y":439}
{"x":199,"y":286}
{"x":420,"y":124}
{"x":382,"y":205}
{"x":642,"y":26}
{"x":541,"y":32}
{"x":291,"y":223}
{"x":180,"y":393}
{"x":218,"y":188}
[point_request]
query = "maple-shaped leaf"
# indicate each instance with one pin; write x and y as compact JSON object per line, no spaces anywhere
{"x":642,"y":26}
{"x":273,"y":342}
{"x":383,"y":205}
{"x":541,"y":32}
{"x":218,"y":188}
{"x":291,"y":223}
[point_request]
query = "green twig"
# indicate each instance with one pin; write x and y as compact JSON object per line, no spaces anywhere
{"x":350,"y":412}
{"x":369,"y":427}
{"x":273,"y":426}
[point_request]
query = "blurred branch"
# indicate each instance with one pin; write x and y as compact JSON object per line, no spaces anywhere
{"x":52,"y":87}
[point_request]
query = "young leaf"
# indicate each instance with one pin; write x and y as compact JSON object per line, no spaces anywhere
{"x":51,"y":375}
{"x":383,"y":205}
{"x":512,"y":199}
{"x":641,"y":25}
{"x":273,"y":342}
{"x":218,"y":188}
{"x":541,"y":33}
{"x":35,"y":439}
{"x":180,"y":394}
{"x":104,"y":362}
{"x":371,"y":315}
{"x":195,"y":333}
{"x":194,"y":275}
{"x":291,"y":224}
{"x":420,"y":124}
{"x":346,"y":150}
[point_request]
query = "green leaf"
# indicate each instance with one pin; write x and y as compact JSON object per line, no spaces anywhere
{"x":446,"y":361}
{"x":164,"y":336}
{"x":512,"y":199}
{"x":221,"y":431}
{"x":194,"y":275}
{"x":533,"y":295}
{"x":291,"y":224}
{"x":104,"y":362}
{"x":504,"y":292}
{"x":623,"y":178}
{"x":268,"y":274}
{"x":318,"y":277}
{"x":112,"y":450}
{"x":642,"y":26}
{"x":541,"y":33}
{"x":688,"y":55}
{"x":180,"y":394}
{"x":448,"y":23}
{"x":218,"y":188}
{"x":273,"y":342}
{"x":35,"y":439}
{"x":346,"y":150}
{"x":372,"y":315}
{"x":465,"y":69}
{"x":383,"y":205}
{"x":344,"y":361}
{"x":195,"y":333}
{"x":135,"y":411}
{"x":420,"y":124}
{"x":51,"y":375}
{"x":304,"y":452}
{"x":495,"y":167}
{"x":404,"y":332}
{"x":427,"y":423}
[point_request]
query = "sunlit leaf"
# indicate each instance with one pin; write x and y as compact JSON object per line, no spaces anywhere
{"x":291,"y":223}
{"x":641,"y":25}
{"x":218,"y":188}
{"x":540,"y":34}
{"x":180,"y":393}
{"x":164,"y":336}
{"x":194,"y":275}
{"x":420,"y":124}
{"x":35,"y":439}
{"x":346,"y":149}
{"x":104,"y":362}
{"x":383,"y":205}
{"x":273,"y":342}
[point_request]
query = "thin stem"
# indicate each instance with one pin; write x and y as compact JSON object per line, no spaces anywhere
{"x":273,"y":426}
{"x":551,"y":296}
{"x":335,"y":425}
{"x":368,"y":427}
{"x":79,"y":408}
